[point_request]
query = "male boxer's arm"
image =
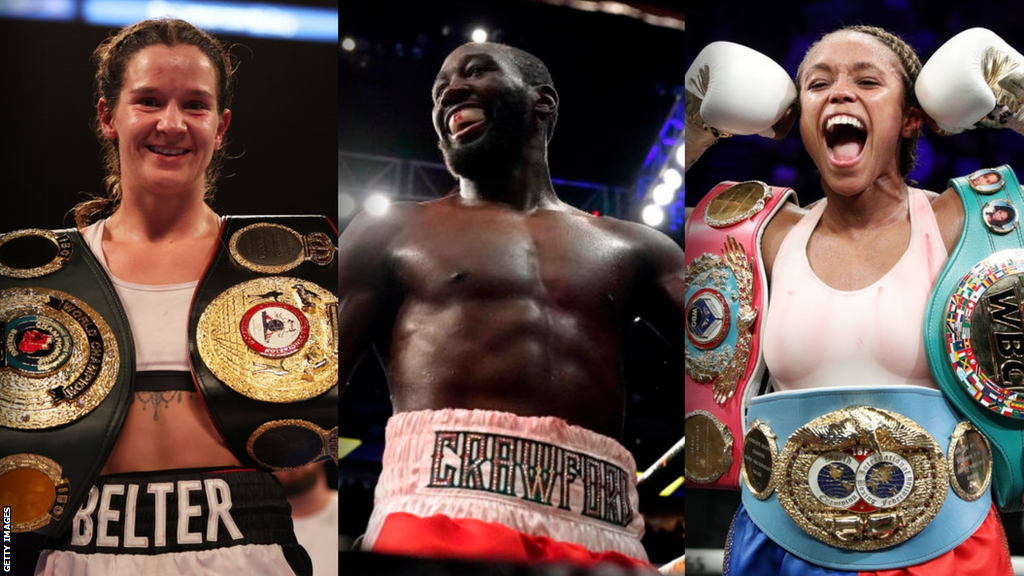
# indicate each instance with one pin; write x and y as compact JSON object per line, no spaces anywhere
{"x":734,"y":90}
{"x":366,"y":285}
{"x":664,"y":309}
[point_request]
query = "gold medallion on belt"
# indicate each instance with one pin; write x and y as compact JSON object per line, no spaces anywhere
{"x":861,"y":478}
{"x":270,"y":248}
{"x":59,"y":358}
{"x":737,"y":203}
{"x":34,"y":489}
{"x":33,"y":253}
{"x":709,"y":454}
{"x":719,"y":292}
{"x":272,"y":339}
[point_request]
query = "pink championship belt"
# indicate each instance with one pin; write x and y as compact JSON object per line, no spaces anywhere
{"x":726,"y":294}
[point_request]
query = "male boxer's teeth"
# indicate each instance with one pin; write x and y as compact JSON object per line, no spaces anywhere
{"x":463,"y":118}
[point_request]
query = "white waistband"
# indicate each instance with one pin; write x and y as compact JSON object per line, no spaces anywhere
{"x":538,"y":475}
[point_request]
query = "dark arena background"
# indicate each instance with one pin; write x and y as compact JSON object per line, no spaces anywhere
{"x":784,"y":31}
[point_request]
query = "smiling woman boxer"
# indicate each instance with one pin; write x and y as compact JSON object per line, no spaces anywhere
{"x":843,"y":343}
{"x":175,"y":495}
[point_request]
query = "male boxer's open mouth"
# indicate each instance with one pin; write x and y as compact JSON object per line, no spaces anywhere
{"x":167,"y":151}
{"x":845,"y":138}
{"x":465,"y":120}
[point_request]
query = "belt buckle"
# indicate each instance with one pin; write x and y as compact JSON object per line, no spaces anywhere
{"x":861,"y":478}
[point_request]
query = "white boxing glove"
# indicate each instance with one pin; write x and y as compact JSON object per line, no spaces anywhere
{"x":974,"y":79}
{"x":734,"y":90}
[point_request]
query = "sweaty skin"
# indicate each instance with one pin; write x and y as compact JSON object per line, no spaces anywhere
{"x":502,"y":297}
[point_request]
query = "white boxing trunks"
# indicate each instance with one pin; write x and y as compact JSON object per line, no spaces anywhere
{"x":538,"y":476}
{"x":200,"y":523}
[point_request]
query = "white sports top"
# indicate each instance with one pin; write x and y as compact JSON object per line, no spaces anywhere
{"x":157,"y":313}
{"x":816,"y":336}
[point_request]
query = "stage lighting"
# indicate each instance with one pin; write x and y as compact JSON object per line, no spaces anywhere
{"x":348,"y":44}
{"x":479,"y":35}
{"x":377,"y":204}
{"x":346,"y":205}
{"x":673,"y":178}
{"x":681,"y":155}
{"x":663,"y":194}
{"x":653,"y":215}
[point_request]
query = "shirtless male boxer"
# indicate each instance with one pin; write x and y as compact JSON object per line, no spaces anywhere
{"x":499,"y":314}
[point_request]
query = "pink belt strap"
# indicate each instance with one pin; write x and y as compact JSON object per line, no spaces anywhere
{"x":726,"y":296}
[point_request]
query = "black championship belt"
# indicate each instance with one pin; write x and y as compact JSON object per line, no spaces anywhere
{"x":66,"y":375}
{"x":263,"y":339}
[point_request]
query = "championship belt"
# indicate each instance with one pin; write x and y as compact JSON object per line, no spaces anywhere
{"x":263,"y":339}
{"x":67,"y":365}
{"x":974,"y":331}
{"x":864,"y":478}
{"x":726,"y":293}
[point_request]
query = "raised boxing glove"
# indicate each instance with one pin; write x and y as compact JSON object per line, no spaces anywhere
{"x":974,"y":79}
{"x":734,"y":90}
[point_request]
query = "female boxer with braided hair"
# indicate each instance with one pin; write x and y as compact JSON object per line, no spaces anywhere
{"x":842,"y":339}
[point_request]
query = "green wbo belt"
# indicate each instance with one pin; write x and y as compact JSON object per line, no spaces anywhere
{"x":974,"y":330}
{"x":263,"y":339}
{"x":66,"y":370}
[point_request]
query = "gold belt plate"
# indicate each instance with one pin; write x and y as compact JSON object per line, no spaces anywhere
{"x":33,"y":253}
{"x":861,"y":478}
{"x":33,"y":487}
{"x":270,"y":248}
{"x":709,"y":453}
{"x":272,"y":339}
{"x":60,"y":358}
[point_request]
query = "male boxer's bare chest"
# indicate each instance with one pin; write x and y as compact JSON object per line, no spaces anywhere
{"x":564,"y":260}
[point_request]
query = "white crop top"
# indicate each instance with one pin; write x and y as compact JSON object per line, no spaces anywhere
{"x":157,"y":313}
{"x":816,"y":336}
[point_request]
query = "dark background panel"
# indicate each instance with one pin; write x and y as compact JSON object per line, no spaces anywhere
{"x":283,"y":126}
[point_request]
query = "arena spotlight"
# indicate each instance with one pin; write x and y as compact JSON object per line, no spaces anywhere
{"x":681,"y":154}
{"x":672,"y":178}
{"x":348,"y":44}
{"x":377,"y":203}
{"x":663,"y":194}
{"x":479,"y":35}
{"x":346,"y":205}
{"x":653,"y":215}
{"x":658,"y":187}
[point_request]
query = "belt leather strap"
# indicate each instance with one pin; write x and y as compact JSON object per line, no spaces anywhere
{"x":295,"y":427}
{"x":79,"y":447}
{"x":726,"y":298}
{"x":962,"y":285}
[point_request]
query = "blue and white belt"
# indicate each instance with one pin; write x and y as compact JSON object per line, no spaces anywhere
{"x":868,"y":478}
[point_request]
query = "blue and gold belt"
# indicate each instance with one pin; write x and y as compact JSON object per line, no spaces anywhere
{"x":864,"y":478}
